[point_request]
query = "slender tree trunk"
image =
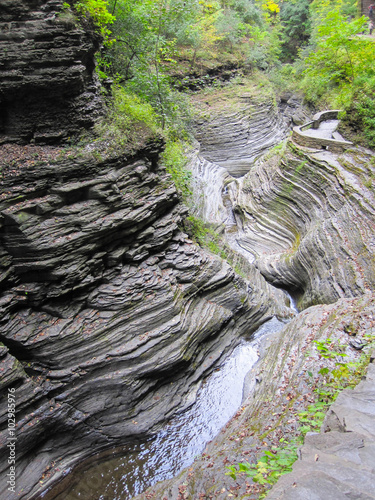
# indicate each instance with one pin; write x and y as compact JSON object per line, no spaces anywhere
{"x":156,"y":63}
{"x":193,"y":60}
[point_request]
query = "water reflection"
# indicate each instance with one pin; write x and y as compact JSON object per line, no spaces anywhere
{"x":176,"y":445}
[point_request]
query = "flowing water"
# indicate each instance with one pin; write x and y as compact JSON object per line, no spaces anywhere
{"x":124,"y":475}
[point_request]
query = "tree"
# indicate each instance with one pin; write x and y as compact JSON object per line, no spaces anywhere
{"x":296,"y":27}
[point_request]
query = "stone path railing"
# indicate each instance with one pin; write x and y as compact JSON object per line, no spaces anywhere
{"x":314,"y":135}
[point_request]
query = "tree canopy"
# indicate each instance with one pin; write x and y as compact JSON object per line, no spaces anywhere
{"x":150,"y":45}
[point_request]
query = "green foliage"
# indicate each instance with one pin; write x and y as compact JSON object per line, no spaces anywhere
{"x":205,"y":235}
{"x":272,"y":464}
{"x":360,"y":112}
{"x":339,"y":58}
{"x":332,"y":380}
{"x":296,"y":27}
{"x":157,"y":32}
{"x":313,"y":417}
{"x":174,"y":160}
{"x":339,"y":70}
{"x":171,"y":106}
{"x":98,"y":11}
{"x":129,"y":119}
{"x":263,"y":49}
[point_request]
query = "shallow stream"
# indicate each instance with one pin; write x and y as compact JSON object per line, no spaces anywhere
{"x":131,"y":471}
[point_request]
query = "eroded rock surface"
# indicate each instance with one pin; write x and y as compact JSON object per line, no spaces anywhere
{"x":308,"y":219}
{"x":280,"y":387}
{"x":234,"y":141}
{"x":109,"y":313}
{"x":48,"y":88}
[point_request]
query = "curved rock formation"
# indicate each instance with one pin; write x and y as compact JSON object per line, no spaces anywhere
{"x":109,"y":313}
{"x":304,"y":216}
{"x":308,"y":219}
{"x":279,"y":388}
{"x":235,"y":140}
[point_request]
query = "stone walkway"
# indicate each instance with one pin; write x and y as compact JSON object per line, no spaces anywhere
{"x":339,"y":462}
{"x":326,"y":130}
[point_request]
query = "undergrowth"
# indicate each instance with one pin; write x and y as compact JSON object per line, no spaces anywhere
{"x":332,"y":379}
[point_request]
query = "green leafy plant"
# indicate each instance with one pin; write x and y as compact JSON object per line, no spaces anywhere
{"x":205,"y":235}
{"x":129,"y":120}
{"x":271,"y":465}
{"x":175,"y":160}
{"x":313,"y":417}
{"x":98,"y":11}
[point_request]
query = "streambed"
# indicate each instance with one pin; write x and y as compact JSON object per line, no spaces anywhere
{"x":131,"y":470}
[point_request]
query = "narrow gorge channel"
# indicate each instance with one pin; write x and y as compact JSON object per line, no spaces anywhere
{"x":130,"y":471}
{"x":123,"y":473}
{"x":113,"y":319}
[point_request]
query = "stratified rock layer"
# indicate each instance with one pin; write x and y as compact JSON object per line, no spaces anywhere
{"x":109,"y":313}
{"x":48,"y":88}
{"x":308,"y":219}
{"x":280,"y":387}
{"x":238,"y":135}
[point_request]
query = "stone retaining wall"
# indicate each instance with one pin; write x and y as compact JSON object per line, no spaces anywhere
{"x":302,"y":139}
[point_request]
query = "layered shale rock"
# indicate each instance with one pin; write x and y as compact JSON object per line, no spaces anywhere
{"x":233,"y":131}
{"x":235,"y":137}
{"x":48,"y":88}
{"x":308,"y":219}
{"x":304,"y":216}
{"x":280,"y":387}
{"x":109,"y":313}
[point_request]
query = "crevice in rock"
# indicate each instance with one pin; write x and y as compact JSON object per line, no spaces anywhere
{"x":16,"y":349}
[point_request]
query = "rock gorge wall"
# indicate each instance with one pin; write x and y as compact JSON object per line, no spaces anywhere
{"x":109,"y":314}
{"x":308,"y":219}
{"x":279,"y":389}
{"x":235,"y":136}
{"x":48,"y":88}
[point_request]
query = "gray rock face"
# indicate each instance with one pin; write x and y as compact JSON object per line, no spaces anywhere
{"x":48,"y":89}
{"x":307,"y":219}
{"x":333,"y":464}
{"x":337,"y":464}
{"x":109,"y":313}
{"x":235,"y":140}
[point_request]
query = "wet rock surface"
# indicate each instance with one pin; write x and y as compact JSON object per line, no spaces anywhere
{"x":278,"y":388}
{"x":235,"y":140}
{"x":307,"y":218}
{"x":110,"y":315}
